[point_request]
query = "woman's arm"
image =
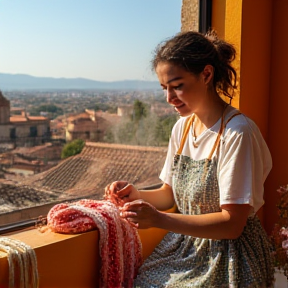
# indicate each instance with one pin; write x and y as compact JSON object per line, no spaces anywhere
{"x":161,"y":198}
{"x":227,"y":224}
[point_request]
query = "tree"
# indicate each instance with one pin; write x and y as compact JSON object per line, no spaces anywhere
{"x":73,"y":148}
{"x":142,"y":128}
{"x":111,"y":108}
{"x":164,"y":127}
{"x":139,"y":110}
{"x":50,"y":108}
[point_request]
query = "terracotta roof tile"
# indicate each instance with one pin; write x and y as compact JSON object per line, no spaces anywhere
{"x":37,"y":118}
{"x":100,"y":164}
{"x":20,"y":118}
{"x":14,"y":197}
{"x":86,"y":125}
{"x":83,"y":115}
{"x":47,"y":151}
{"x":85,"y":175}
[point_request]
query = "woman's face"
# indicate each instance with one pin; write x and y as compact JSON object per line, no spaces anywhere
{"x":184,"y":90}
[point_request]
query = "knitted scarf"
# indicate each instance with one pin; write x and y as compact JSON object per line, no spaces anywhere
{"x":119,"y":245}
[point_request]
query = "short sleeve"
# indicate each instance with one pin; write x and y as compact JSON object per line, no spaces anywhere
{"x":244,"y":164}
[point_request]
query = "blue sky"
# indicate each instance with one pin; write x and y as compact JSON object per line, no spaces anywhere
{"x":105,"y":40}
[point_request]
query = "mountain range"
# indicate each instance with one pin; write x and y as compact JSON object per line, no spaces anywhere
{"x":27,"y":82}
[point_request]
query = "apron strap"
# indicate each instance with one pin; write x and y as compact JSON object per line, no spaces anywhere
{"x":218,"y":138}
{"x":216,"y":144}
{"x":231,"y":117}
{"x":187,"y":126}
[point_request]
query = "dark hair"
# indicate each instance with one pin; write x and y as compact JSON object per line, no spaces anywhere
{"x":193,"y":51}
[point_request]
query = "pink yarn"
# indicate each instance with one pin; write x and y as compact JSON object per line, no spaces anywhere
{"x":120,"y":246}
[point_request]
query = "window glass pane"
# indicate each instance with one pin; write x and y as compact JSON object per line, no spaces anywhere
{"x":80,"y":106}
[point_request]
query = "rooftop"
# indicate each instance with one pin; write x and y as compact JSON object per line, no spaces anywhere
{"x":86,"y":174}
{"x":20,"y":118}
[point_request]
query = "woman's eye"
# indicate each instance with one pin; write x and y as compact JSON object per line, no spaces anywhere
{"x":178,"y":87}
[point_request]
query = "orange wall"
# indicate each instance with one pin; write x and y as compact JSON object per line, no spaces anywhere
{"x":278,"y":108}
{"x":255,"y":72}
{"x":218,"y":17}
{"x":263,"y":77}
{"x":258,"y":30}
{"x":255,"y":61}
{"x":250,"y":33}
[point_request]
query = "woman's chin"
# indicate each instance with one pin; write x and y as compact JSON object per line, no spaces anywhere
{"x":182,"y":110}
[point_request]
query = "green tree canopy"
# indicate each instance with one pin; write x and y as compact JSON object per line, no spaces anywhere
{"x":164,"y":127}
{"x":140,"y":110}
{"x":111,"y":108}
{"x":72,"y":148}
{"x":50,"y":108}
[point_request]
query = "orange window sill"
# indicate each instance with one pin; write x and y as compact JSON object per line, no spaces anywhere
{"x":70,"y":260}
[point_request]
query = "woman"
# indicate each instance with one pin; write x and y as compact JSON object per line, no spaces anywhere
{"x":216,"y":165}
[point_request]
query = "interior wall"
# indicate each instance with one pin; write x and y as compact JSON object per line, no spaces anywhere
{"x":233,"y":35}
{"x":278,"y":108}
{"x":256,"y":31}
{"x":218,"y":17}
{"x":255,"y":61}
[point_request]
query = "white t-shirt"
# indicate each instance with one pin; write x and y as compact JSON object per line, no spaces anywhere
{"x":243,"y":160}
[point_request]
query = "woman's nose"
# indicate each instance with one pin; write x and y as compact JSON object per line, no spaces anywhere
{"x":170,"y":95}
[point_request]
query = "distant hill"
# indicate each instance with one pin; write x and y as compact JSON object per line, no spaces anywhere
{"x":27,"y":82}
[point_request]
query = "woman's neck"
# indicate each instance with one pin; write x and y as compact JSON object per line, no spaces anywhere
{"x":206,"y":117}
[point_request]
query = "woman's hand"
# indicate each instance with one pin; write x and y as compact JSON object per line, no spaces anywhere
{"x":123,"y":190}
{"x":141,"y":214}
{"x":129,"y":193}
{"x":115,"y":186}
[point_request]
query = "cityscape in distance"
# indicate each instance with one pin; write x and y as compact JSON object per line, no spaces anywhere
{"x":126,"y":122}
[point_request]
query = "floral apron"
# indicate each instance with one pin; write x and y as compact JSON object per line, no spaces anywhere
{"x":186,"y":261}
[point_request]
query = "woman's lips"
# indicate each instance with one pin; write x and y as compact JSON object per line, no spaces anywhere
{"x":177,"y":107}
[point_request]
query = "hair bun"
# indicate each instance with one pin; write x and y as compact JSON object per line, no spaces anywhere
{"x":226,"y":51}
{"x":212,"y":36}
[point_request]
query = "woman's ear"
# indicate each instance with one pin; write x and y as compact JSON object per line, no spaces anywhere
{"x":208,"y":74}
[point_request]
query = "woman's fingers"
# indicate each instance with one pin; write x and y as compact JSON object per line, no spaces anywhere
{"x":121,"y":184}
{"x":125,"y":191}
{"x":128,"y":214}
{"x":131,"y":217}
{"x":129,"y":211}
{"x":115,"y":186}
{"x":136,"y":225}
{"x":134,"y":204}
{"x":140,"y":213}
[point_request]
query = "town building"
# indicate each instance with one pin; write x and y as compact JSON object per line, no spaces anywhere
{"x":21,"y":129}
{"x":89,"y":125}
